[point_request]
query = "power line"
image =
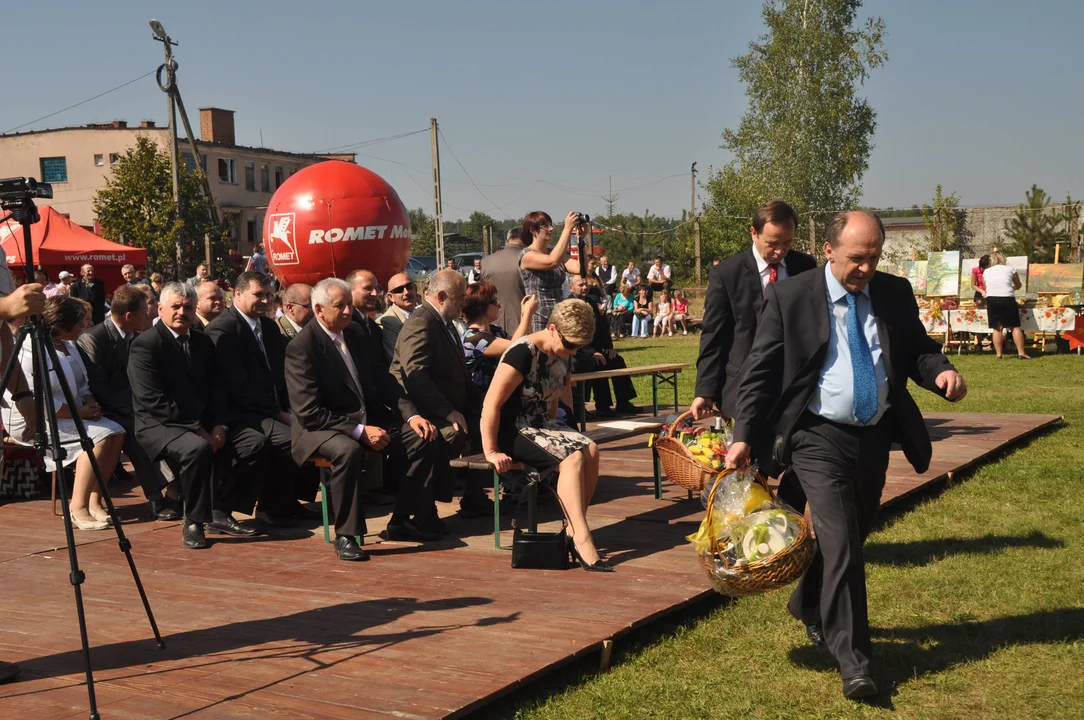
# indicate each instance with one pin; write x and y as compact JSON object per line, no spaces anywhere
{"x":468,"y":174}
{"x":84,"y":102}
{"x":376,"y":141}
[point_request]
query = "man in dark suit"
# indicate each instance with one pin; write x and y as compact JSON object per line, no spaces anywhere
{"x":105,"y":347}
{"x":344,"y":407}
{"x":92,"y":290}
{"x":600,"y":355}
{"x":250,"y":357}
{"x":181,"y":413}
{"x":365,"y":295}
{"x":430,"y":365}
{"x":733,"y":301}
{"x":827,"y":380}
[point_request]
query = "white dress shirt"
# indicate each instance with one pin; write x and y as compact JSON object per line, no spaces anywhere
{"x":340,"y":344}
{"x":765,"y":269}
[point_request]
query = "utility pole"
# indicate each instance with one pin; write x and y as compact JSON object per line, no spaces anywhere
{"x":695,"y":222}
{"x":169,"y":87}
{"x":439,"y":219}
{"x":696,"y":230}
{"x":1072,"y":213}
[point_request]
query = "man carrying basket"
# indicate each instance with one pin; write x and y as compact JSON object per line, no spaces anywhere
{"x":827,"y":377}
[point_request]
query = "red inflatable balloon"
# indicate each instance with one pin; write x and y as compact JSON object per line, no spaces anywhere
{"x":332,"y":218}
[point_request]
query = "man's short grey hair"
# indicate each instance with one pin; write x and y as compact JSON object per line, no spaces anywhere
{"x":292,"y":294}
{"x":176,"y":288}
{"x":128,"y":266}
{"x":513,"y":234}
{"x":445,"y":280}
{"x":321,"y":294}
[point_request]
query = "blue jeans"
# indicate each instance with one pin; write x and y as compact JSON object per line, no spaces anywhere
{"x":641,"y":325}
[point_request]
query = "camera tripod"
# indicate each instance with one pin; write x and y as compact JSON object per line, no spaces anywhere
{"x":23,"y":211}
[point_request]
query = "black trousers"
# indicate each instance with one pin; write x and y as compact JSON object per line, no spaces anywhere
{"x":623,"y":388}
{"x":192,"y":461}
{"x":268,"y":474}
{"x":420,"y":486}
{"x":241,"y":465}
{"x":147,"y":473}
{"x":620,"y":323}
{"x":842,"y":472}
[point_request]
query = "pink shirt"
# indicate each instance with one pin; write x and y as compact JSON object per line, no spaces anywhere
{"x":681,"y":306}
{"x":977,"y":280}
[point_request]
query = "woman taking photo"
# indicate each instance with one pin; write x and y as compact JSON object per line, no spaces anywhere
{"x":484,"y":341}
{"x":67,"y":318}
{"x":542,"y":268}
{"x":519,"y":419}
{"x":1002,"y":313}
{"x":642,"y":310}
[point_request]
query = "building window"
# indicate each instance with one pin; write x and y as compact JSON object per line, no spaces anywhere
{"x":191,"y":165}
{"x":265,"y":178}
{"x":250,"y":176}
{"x":99,"y":159}
{"x":227,"y":170}
{"x":251,"y":232}
{"x":114,"y":158}
{"x":278,"y":177}
{"x":54,"y":169}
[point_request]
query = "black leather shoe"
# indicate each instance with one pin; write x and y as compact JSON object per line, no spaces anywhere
{"x":605,"y":412}
{"x":815,"y":635}
{"x":858,"y":687}
{"x":164,"y":510}
{"x":193,"y":537}
{"x":409,"y":531}
{"x":627,"y":408}
{"x":277,"y":521}
{"x":599,"y":565}
{"x":347,"y":548}
{"x":226,"y":524}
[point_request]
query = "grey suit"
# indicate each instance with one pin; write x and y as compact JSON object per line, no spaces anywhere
{"x":390,"y":324}
{"x":502,"y":269}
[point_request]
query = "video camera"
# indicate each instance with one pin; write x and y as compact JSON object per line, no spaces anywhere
{"x":21,"y":189}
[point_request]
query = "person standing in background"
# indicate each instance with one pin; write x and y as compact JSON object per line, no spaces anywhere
{"x":501,"y":269}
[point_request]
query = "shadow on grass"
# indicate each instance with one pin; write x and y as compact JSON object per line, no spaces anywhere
{"x":909,"y":653}
{"x":923,"y":552}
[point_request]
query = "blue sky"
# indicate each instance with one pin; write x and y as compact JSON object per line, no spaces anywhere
{"x":544,"y":102}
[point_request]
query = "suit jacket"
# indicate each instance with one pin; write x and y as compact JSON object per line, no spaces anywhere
{"x":784,"y":365}
{"x":322,"y":394}
{"x":106,"y":355}
{"x":286,"y":328}
{"x":254,"y":385}
{"x":93,"y":293}
{"x":371,"y":329}
{"x":391,"y":323}
{"x":170,"y":395}
{"x":502,"y":270}
{"x":431,"y":367}
{"x":731,"y":306}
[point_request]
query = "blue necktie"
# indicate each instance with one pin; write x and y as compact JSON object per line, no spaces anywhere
{"x":865,"y":377}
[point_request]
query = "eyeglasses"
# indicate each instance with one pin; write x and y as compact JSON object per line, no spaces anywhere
{"x":572,"y":347}
{"x":307,"y":306}
{"x":401,"y":288}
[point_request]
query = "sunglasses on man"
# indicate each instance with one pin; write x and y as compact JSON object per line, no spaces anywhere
{"x":401,"y":288}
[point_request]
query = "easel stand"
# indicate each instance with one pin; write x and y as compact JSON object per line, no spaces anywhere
{"x":44,"y":355}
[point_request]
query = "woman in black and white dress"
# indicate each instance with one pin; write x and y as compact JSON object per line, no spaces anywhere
{"x":66,"y":319}
{"x":519,"y":418}
{"x":1002,"y":312}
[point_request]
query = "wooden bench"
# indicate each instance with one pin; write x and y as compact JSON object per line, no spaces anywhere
{"x":666,"y":374}
{"x":600,"y":435}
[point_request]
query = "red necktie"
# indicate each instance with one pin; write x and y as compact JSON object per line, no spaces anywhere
{"x":773,"y":272}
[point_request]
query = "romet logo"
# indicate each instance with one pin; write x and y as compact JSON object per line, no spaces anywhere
{"x":362,"y":232}
{"x":281,"y":239}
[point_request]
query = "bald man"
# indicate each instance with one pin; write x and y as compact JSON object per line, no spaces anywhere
{"x":402,"y":299}
{"x":210,"y":302}
{"x":296,"y":310}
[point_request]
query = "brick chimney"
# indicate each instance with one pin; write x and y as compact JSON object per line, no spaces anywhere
{"x":147,"y":124}
{"x":216,"y":126}
{"x":119,"y":124}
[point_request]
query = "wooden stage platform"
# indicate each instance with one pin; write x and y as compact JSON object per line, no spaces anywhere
{"x":277,"y":627}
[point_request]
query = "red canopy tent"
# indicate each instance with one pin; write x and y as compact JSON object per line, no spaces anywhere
{"x":59,"y":244}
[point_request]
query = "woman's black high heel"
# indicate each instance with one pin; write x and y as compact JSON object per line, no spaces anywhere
{"x":599,"y":566}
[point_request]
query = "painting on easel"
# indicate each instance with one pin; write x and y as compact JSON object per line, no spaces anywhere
{"x":943,"y":274}
{"x":1062,"y":278}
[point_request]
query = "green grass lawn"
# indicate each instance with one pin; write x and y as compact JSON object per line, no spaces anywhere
{"x":976,"y":594}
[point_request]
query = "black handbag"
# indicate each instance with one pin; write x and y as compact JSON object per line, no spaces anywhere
{"x":539,"y":550}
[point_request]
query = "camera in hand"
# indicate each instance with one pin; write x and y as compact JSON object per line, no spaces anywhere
{"x":582,"y":218}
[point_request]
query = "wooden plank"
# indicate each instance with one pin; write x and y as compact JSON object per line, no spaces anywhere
{"x":278,"y":627}
{"x":629,"y":372}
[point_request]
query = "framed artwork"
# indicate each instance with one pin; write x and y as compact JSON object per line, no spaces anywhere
{"x":1050,"y":278}
{"x":943,"y":274}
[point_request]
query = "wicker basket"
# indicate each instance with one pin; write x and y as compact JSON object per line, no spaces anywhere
{"x":680,"y":465}
{"x":760,"y":576}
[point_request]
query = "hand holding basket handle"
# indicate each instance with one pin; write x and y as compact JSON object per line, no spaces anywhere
{"x":738,"y":455}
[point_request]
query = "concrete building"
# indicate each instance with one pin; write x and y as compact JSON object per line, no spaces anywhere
{"x":983,"y":231}
{"x":78,"y":161}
